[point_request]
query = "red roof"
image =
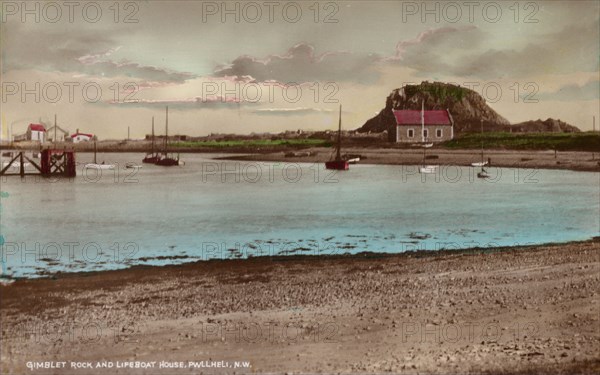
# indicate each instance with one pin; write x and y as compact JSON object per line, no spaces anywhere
{"x":86,"y":134}
{"x":413,"y":117}
{"x":37,"y":127}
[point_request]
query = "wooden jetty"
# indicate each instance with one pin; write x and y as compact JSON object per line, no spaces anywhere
{"x":54,"y":162}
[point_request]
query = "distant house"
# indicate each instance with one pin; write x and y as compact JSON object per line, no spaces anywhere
{"x":81,"y":137}
{"x":438,"y":126}
{"x":61,"y":134}
{"x":35,"y":132}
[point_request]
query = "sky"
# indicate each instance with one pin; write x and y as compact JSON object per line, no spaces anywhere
{"x":270,"y":66}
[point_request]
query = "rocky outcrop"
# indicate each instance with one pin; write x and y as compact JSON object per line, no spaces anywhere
{"x":547,"y":126}
{"x":468,"y":109}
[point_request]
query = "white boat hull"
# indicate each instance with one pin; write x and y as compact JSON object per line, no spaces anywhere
{"x":16,"y":164}
{"x":132,"y":166}
{"x":428,"y":169}
{"x":422,"y":145}
{"x":479,"y":164}
{"x":99,"y":166}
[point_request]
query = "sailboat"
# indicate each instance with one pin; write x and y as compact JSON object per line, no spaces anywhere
{"x":338,"y":163}
{"x":482,"y":163}
{"x":152,"y":157}
{"x":166,"y":160}
{"x":483,"y":173}
{"x":425,"y":169}
{"x":95,"y":164}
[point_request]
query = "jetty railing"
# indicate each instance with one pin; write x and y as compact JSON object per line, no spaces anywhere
{"x":53,"y":163}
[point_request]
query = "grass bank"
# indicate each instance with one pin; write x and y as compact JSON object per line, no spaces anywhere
{"x":588,"y":141}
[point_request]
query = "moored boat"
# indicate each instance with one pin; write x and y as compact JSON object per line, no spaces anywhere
{"x":428,"y":169}
{"x":338,"y":163}
{"x":152,"y":157}
{"x":132,"y":165}
{"x":425,"y":169}
{"x":96,"y":165}
{"x":353,"y":158}
{"x":483,"y":173}
{"x":165,"y":159}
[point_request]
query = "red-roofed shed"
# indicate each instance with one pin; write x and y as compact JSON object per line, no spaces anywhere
{"x":36,"y":127}
{"x":35,"y":132}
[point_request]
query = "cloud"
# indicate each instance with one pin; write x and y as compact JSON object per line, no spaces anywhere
{"x":186,"y":103}
{"x":290,"y":111}
{"x":462,"y":38}
{"x":300,"y":64}
{"x":574,"y":92}
{"x":465,"y":52}
{"x":92,"y":59}
{"x":434,"y":51}
{"x":80,"y":53}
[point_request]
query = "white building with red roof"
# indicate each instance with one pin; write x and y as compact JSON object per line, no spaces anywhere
{"x":81,"y":137}
{"x":423,"y":126}
{"x":35,"y":132}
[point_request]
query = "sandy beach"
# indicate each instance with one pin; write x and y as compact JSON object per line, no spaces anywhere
{"x":510,"y":310}
{"x":572,"y":160}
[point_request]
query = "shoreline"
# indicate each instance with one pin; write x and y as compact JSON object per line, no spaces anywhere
{"x":583,"y":161}
{"x":567,"y":160}
{"x":354,"y":313}
{"x":299,"y":258}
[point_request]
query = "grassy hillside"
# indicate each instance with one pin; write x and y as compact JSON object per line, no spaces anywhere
{"x":587,"y":141}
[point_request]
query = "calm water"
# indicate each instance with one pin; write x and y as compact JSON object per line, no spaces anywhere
{"x":225,"y":209}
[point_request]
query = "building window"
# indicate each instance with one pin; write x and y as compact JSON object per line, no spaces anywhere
{"x":438,"y":133}
{"x":425,"y":133}
{"x":410,"y":133}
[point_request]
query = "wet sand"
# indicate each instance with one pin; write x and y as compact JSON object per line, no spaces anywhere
{"x":511,"y":310}
{"x":572,"y":160}
{"x":388,"y":154}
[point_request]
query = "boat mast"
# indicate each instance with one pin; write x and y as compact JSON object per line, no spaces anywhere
{"x":167,"y":130}
{"x":481,"y":141}
{"x":95,"y":153}
{"x":152,"y":135}
{"x":339,"y":138}
{"x":423,"y":121}
{"x":423,"y":128}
